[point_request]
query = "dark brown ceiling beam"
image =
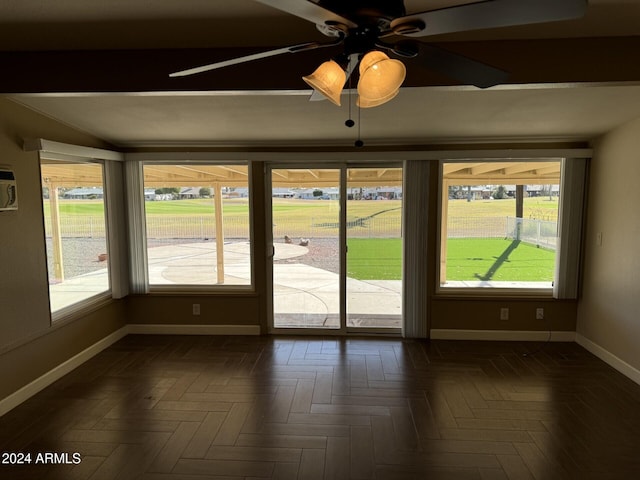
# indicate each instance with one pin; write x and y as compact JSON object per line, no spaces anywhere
{"x":611,"y":59}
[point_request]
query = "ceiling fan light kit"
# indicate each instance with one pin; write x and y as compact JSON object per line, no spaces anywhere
{"x":380,"y":79}
{"x":362,"y":26}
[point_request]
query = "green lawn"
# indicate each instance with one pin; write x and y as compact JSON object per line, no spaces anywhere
{"x":499,"y":260}
{"x":374,"y":258}
{"x":77,"y":207}
{"x":472,"y":259}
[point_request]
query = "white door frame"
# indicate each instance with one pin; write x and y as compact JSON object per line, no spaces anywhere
{"x":343,"y":329}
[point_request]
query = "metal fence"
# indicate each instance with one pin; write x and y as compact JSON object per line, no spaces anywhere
{"x":196,"y":226}
{"x":542,"y":233}
{"x":160,"y":226}
{"x":329,"y":227}
{"x":538,"y":232}
{"x":78,"y":226}
{"x":476,"y":227}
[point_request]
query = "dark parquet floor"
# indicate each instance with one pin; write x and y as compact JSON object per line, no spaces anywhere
{"x":204,"y":408}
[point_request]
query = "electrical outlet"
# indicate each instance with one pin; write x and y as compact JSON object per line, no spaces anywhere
{"x":504,"y":314}
{"x":196,"y":308}
{"x":539,"y":313}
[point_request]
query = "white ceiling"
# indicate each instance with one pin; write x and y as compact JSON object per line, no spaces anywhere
{"x":417,"y":116}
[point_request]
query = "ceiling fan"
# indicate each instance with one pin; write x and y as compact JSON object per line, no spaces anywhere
{"x":368,"y":28}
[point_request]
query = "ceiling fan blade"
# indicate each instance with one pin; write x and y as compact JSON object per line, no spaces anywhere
{"x":302,"y":47}
{"x":488,"y":14}
{"x":316,"y":96}
{"x":463,"y":69}
{"x":310,"y":11}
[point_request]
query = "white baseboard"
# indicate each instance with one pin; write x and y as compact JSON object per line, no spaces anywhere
{"x":59,"y":371}
{"x":501,"y":335}
{"x":157,"y":329}
{"x":609,"y":358}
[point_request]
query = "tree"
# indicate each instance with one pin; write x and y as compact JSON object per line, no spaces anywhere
{"x":205,"y":192}
{"x":172,"y":190}
{"x":456,"y":191}
{"x":500,"y":193}
{"x":317,"y":193}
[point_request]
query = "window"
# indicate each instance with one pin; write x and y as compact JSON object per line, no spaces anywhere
{"x":499,"y":226}
{"x":197,"y":224}
{"x":75,"y":231}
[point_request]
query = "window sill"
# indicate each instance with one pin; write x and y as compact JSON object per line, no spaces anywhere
{"x":213,"y":290}
{"x":494,"y":292}
{"x":72,"y":312}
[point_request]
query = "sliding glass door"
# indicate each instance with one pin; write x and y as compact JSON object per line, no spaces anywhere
{"x":374,"y":248}
{"x":305,"y":209}
{"x":337,"y":248}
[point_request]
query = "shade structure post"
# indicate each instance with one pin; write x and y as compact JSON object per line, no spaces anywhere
{"x":56,"y":234}
{"x":217,"y":199}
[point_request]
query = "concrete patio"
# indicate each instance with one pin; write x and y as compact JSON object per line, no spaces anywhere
{"x":304,"y":296}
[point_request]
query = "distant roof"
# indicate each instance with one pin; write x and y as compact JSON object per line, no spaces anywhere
{"x":190,"y":191}
{"x":82,"y":191}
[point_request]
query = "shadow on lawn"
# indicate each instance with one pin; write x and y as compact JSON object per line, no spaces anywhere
{"x":357,"y":222}
{"x":504,"y":257}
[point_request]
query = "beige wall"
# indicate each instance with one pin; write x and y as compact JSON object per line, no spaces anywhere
{"x":29,"y":345}
{"x":20,"y":366}
{"x":609,"y":309}
{"x":484,"y":314}
{"x":177,"y":309}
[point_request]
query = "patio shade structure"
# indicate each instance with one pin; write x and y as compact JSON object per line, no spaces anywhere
{"x":57,"y":175}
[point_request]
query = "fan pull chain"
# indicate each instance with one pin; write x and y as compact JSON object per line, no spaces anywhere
{"x":349,"y":123}
{"x":359,"y":143}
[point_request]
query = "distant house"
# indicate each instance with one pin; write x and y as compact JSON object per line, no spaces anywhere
{"x":330,"y":194}
{"x":382,"y":193}
{"x":83,"y":193}
{"x":543,"y":190}
{"x":237,"y":192}
{"x":306,"y":194}
{"x":481,"y":192}
{"x":282,"y":193}
{"x":477,"y":192}
{"x":189,"y":192}
{"x":533,"y":190}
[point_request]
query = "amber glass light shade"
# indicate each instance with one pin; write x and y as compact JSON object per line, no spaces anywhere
{"x":367,"y":103}
{"x":328,"y":79}
{"x":380,"y":79}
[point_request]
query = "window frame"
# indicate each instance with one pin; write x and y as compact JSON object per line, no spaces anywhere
{"x":144,"y":284}
{"x":110,"y":162}
{"x":488,"y":292}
